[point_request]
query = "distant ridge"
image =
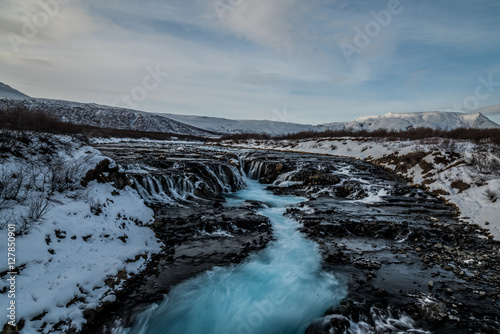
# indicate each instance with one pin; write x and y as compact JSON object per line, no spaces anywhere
{"x":11,"y":93}
{"x":231,"y":126}
{"x":107,"y":117}
{"x":391,"y":121}
{"x":407,"y":121}
{"x":205,"y":126}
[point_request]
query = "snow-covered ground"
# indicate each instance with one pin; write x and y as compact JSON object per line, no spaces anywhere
{"x":73,"y":254}
{"x":100,"y":140}
{"x":465,"y":174}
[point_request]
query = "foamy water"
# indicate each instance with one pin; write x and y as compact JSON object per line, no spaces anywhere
{"x":278,"y":290}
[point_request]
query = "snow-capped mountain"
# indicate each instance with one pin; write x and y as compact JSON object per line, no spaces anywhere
{"x":108,"y":117}
{"x":231,"y":126}
{"x":406,"y":121}
{"x":11,"y":93}
{"x":121,"y":118}
{"x":390,"y":121}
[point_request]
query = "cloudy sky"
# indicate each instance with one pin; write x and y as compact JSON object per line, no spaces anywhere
{"x":306,"y":61}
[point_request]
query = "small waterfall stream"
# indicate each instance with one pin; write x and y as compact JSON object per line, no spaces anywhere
{"x":278,"y":290}
{"x":165,"y":188}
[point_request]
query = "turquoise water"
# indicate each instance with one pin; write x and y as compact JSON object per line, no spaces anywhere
{"x":280,"y":289}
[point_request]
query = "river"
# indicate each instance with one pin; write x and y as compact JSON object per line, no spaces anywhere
{"x":278,"y":290}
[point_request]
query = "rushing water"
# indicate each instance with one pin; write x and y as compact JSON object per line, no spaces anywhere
{"x":278,"y":290}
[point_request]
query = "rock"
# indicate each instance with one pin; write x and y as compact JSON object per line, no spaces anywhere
{"x":322,"y":179}
{"x":379,"y":248}
{"x":339,"y":324}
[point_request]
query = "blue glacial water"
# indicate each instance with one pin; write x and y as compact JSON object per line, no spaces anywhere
{"x":280,"y":289}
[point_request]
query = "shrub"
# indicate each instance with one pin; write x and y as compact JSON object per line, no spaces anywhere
{"x":22,"y":119}
{"x":476,"y":135}
{"x":6,"y":218}
{"x":65,"y":175}
{"x":492,"y":195}
{"x":11,"y":183}
{"x":38,"y":206}
{"x":485,"y":162}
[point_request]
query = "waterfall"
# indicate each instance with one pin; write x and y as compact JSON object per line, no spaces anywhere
{"x":255,"y":169}
{"x":162,"y":188}
{"x":207,"y":182}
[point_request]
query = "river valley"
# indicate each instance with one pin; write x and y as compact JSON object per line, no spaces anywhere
{"x":276,"y":242}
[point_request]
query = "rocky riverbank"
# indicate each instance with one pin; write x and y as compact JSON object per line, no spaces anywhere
{"x":409,"y":263}
{"x":402,"y":252}
{"x":183,"y":186}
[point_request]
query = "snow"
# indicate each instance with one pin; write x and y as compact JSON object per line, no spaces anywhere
{"x":390,"y":121}
{"x":224,"y":125}
{"x":405,"y":121}
{"x":67,"y":263}
{"x":475,"y":207}
{"x":100,"y":140}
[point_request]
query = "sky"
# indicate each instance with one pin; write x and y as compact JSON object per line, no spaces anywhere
{"x":302,"y":61}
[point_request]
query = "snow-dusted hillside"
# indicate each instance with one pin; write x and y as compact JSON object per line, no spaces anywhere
{"x":405,"y":121}
{"x":390,"y":121}
{"x":108,"y":117}
{"x":231,"y":126}
{"x":11,"y":93}
{"x":121,"y":118}
{"x":75,"y":243}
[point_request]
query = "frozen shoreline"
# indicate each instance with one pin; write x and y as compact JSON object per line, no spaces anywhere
{"x":449,"y":162}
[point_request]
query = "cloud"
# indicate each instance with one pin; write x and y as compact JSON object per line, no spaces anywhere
{"x":489,"y":110}
{"x":46,"y":21}
{"x":263,"y":55}
{"x":269,"y":23}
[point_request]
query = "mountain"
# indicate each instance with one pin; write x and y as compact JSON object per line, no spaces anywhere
{"x":121,"y":118}
{"x":231,"y":126}
{"x":390,"y":121}
{"x":107,"y":117}
{"x":11,"y":93}
{"x":406,"y":121}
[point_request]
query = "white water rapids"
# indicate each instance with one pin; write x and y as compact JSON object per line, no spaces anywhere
{"x":280,"y":289}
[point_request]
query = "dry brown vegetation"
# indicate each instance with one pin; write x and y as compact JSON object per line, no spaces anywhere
{"x":476,"y":135}
{"x":460,"y":185}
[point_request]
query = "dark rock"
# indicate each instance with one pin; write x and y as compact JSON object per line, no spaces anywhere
{"x":385,"y":251}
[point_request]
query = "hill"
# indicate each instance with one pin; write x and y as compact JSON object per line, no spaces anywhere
{"x":11,"y":93}
{"x":107,"y":117}
{"x":407,"y":121}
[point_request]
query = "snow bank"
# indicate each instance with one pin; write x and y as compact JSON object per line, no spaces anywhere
{"x":69,"y":260}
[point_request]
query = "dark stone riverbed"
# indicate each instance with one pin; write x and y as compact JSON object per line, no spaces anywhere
{"x":401,"y":252}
